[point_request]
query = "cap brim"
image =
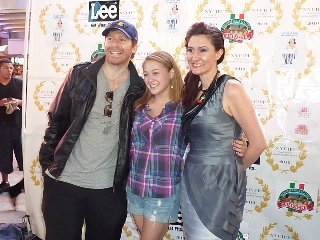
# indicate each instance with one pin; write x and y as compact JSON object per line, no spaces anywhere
{"x":106,"y":31}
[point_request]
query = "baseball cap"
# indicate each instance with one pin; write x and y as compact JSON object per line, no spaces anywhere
{"x":127,"y":28}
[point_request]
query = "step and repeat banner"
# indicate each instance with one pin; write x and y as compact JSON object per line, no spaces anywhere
{"x":272,"y":46}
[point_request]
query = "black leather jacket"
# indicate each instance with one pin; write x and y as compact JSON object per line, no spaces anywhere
{"x":69,"y":112}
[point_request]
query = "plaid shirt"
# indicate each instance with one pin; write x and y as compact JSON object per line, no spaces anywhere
{"x":156,"y":153}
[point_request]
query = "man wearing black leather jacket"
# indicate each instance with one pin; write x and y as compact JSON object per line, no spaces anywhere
{"x":85,"y":150}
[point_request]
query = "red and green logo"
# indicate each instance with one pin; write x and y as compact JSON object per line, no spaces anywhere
{"x":295,"y":199}
{"x":237,"y":29}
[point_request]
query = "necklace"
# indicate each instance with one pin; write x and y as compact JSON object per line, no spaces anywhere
{"x":205,"y":91}
{"x":214,"y":81}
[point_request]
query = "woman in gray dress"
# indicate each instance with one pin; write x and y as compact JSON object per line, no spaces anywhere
{"x":217,"y":111}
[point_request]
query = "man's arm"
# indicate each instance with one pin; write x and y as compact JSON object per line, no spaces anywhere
{"x":59,"y":121}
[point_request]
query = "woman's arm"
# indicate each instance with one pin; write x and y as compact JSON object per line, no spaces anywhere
{"x":237,"y":104}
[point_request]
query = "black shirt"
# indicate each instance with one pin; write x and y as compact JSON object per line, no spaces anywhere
{"x":12,"y":90}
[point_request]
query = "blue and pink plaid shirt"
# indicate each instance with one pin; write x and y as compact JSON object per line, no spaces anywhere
{"x":157,"y":148}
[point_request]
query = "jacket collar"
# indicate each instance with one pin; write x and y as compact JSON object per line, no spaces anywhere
{"x":92,"y":71}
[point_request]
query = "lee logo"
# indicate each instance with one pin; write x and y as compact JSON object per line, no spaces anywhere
{"x":103,"y":11}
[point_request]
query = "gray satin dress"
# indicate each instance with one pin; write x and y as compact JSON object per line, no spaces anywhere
{"x":213,"y":174}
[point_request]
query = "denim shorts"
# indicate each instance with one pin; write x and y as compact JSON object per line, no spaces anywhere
{"x":161,"y":210}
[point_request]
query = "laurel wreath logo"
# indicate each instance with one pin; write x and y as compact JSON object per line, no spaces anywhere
{"x":55,"y":49}
{"x":168,"y":236}
{"x":200,"y":9}
{"x":272,"y":108}
{"x":256,"y":60}
{"x":247,"y":6}
{"x":33,"y":177}
{"x":293,"y":168}
{"x":154,"y":16}
{"x":310,"y":63}
{"x":227,"y":6}
{"x":77,"y":22}
{"x":266,"y":230}
{"x":128,"y":232}
{"x":294,"y":235}
{"x":278,"y":16}
{"x":225,"y":66}
{"x":54,"y":63}
{"x":265,"y":199}
{"x":176,"y":56}
{"x":297,"y":217}
{"x":296,"y":17}
{"x":76,"y":51}
{"x":268,"y":153}
{"x":154,"y":46}
{"x":43,"y":13}
{"x":140,"y":13}
{"x":36,"y":96}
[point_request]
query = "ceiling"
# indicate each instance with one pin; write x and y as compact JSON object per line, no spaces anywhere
{"x":12,"y":21}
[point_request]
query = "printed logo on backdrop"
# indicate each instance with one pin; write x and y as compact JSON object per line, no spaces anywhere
{"x":64,"y":57}
{"x":302,"y":119}
{"x":166,"y":16}
{"x":266,"y":19}
{"x":264,"y":106}
{"x":296,"y":200}
{"x":306,"y":15}
{"x":103,"y":11}
{"x":179,"y":56}
{"x":81,"y":23}
{"x":132,"y":11}
{"x":242,"y":60}
{"x":257,"y":196}
{"x":268,"y":232}
{"x":237,"y":29}
{"x":291,"y":53}
{"x":210,"y":13}
{"x":36,"y":172}
{"x":44,"y":94}
{"x":52,"y":22}
{"x":144,"y":49}
{"x":284,"y":155}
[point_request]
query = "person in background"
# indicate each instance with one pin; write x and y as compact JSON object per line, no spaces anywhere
{"x":10,"y":122}
{"x":217,"y":111}
{"x":85,"y":150}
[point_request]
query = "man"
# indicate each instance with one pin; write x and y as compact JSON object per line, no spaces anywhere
{"x":10,"y":122}
{"x":84,"y":154}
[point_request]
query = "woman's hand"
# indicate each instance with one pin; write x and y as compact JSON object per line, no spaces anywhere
{"x":240,"y":147}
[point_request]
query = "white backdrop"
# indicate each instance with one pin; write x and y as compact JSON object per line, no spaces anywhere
{"x":282,"y":79}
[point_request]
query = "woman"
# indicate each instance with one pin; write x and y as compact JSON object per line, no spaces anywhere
{"x":217,"y":111}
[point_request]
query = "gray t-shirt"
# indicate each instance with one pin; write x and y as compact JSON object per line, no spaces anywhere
{"x":93,"y":159}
